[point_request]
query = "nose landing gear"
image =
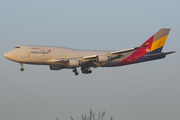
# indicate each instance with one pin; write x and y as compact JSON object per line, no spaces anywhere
{"x":22,"y":69}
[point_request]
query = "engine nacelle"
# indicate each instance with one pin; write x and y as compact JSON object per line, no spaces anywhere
{"x":55,"y":67}
{"x":73,"y":63}
{"x":102,"y":58}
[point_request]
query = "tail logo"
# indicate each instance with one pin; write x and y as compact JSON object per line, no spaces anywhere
{"x":148,"y":50}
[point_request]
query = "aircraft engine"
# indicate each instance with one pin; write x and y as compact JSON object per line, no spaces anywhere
{"x":102,"y":58}
{"x":55,"y":67}
{"x":73,"y":63}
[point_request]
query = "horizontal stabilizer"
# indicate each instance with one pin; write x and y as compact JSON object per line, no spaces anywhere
{"x":159,"y":54}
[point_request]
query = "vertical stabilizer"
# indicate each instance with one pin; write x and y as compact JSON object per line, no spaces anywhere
{"x":159,"y":40}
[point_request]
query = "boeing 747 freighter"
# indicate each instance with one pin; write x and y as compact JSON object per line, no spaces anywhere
{"x":64,"y":58}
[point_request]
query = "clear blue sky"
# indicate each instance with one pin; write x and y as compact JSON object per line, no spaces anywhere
{"x":146,"y":91}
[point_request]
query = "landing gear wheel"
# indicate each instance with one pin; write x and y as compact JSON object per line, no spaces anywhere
{"x":22,"y":69}
{"x":86,"y":70}
{"x":89,"y":71}
{"x":76,"y":73}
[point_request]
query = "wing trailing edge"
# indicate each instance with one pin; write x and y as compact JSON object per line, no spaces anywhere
{"x":58,"y":60}
{"x":90,"y":57}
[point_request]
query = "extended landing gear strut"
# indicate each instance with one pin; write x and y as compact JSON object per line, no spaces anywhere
{"x":22,"y":69}
{"x":86,"y":70}
{"x":75,"y":71}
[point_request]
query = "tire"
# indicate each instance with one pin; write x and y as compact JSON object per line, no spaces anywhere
{"x":22,"y":69}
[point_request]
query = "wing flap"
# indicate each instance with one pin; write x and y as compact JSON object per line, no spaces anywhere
{"x":90,"y":57}
{"x":58,"y":60}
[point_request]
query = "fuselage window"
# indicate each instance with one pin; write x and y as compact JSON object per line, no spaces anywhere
{"x":17,"y":47}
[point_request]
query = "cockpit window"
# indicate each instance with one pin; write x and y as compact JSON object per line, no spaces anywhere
{"x":17,"y":47}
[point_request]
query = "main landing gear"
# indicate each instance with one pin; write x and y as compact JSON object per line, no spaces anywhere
{"x":86,"y":70}
{"x":22,"y":69}
{"x":75,"y":71}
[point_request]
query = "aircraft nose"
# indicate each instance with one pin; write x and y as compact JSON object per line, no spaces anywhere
{"x":6,"y":55}
{"x":9,"y":55}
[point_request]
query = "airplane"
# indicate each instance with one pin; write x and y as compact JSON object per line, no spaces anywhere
{"x":64,"y":58}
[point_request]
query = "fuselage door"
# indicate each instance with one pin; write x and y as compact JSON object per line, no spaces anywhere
{"x":42,"y":50}
{"x":28,"y":55}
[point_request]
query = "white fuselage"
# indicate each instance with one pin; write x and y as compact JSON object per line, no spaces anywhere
{"x":42,"y":55}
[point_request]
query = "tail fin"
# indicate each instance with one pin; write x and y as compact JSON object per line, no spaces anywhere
{"x":149,"y":50}
{"x":157,"y":41}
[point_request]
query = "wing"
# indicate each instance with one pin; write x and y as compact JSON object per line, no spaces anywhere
{"x":92,"y":60}
{"x":109,"y":56}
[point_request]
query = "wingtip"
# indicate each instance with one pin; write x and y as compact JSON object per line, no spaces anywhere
{"x":174,"y":51}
